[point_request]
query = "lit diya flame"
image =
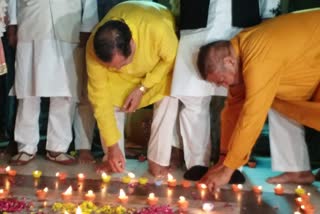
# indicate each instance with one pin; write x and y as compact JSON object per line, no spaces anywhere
{"x":171,"y":181}
{"x":152,"y":200}
{"x":67,"y":194}
{"x":81,"y":177}
{"x":123,"y":198}
{"x":78,"y":210}
{"x":105,"y":177}
{"x":207,"y":207}
{"x":68,"y":191}
{"x":131,"y":175}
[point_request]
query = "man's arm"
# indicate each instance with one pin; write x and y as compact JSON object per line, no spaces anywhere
{"x":12,"y":25}
{"x":100,"y":98}
{"x":167,"y":43}
{"x":261,"y":80}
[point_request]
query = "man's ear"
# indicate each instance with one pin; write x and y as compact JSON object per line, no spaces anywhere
{"x":229,"y":62}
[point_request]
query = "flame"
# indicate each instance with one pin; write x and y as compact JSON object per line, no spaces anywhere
{"x":90,"y":192}
{"x":278,"y":186}
{"x":207,"y":207}
{"x":170,"y":177}
{"x":203,"y":186}
{"x":104,"y":175}
{"x":8,"y":168}
{"x":240,"y":186}
{"x":131,"y":175}
{"x":80,"y":175}
{"x":68,"y":191}
{"x":122,"y":194}
{"x":1,"y":191}
{"x":45,"y":189}
{"x":78,"y":210}
{"x":57,"y":174}
{"x":182,"y":199}
{"x":151,"y":196}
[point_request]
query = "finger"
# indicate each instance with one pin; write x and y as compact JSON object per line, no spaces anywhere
{"x":113,"y":166}
{"x":126,"y":103}
{"x":132,"y":107}
{"x":128,"y":107}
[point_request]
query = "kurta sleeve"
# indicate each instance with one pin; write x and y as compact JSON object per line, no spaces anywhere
{"x":89,"y":15}
{"x":261,"y":80}
{"x":167,"y":43}
{"x":101,"y":99}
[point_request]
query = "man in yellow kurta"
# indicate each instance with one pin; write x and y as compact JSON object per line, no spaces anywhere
{"x":273,"y":65}
{"x":130,"y":56}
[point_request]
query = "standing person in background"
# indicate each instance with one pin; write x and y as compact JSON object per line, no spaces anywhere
{"x":84,"y":121}
{"x":47,"y":50}
{"x":130,"y":56}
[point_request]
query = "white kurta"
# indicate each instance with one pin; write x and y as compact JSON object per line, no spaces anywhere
{"x":219,"y":27}
{"x":48,"y":37}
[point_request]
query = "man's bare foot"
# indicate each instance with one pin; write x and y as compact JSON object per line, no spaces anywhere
{"x":305,"y":177}
{"x":157,"y":170}
{"x":85,"y":156}
{"x":176,"y":159}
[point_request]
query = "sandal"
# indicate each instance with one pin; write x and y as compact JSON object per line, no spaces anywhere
{"x":22,"y":158}
{"x":61,"y":158}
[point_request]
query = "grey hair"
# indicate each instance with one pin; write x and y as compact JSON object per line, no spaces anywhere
{"x":206,"y":64}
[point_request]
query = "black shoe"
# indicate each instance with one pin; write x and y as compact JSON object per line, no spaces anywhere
{"x":195,"y":173}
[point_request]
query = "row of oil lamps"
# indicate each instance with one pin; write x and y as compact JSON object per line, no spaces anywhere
{"x":302,"y":201}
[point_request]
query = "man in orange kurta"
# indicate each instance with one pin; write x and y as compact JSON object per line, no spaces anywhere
{"x":275,"y":64}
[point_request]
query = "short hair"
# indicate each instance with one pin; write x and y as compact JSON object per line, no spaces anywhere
{"x":113,"y":36}
{"x":206,"y":64}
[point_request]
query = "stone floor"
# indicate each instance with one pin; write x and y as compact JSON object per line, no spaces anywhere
{"x":23,"y":185}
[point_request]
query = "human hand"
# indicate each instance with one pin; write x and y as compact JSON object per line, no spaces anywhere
{"x":217,"y":177}
{"x":132,"y":101}
{"x":115,"y":160}
{"x":12,"y":35}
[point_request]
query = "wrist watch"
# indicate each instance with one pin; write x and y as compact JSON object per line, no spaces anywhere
{"x":142,"y":89}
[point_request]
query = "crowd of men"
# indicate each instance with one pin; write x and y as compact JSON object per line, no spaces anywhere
{"x":97,"y":72}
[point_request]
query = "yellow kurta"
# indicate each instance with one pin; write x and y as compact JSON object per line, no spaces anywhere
{"x":281,"y":69}
{"x":153,"y":31}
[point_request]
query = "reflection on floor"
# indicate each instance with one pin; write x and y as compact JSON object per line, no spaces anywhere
{"x":225,"y":200}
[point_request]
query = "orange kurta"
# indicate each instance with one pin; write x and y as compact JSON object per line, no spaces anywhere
{"x":281,"y":69}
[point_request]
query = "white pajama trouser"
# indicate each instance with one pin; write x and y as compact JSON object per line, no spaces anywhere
{"x":162,"y":130}
{"x":287,"y":144}
{"x":59,"y":131}
{"x":190,"y":116}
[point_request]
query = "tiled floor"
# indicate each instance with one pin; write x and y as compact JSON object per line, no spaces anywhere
{"x":226,"y":201}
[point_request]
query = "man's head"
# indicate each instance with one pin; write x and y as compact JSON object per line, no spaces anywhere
{"x":113,"y":44}
{"x":217,"y":63}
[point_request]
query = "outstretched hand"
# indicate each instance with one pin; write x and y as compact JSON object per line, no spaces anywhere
{"x":216,"y":177}
{"x":132,"y":101}
{"x":114,"y":161}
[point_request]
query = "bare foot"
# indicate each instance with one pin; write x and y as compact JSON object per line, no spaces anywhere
{"x":157,"y":170}
{"x":305,"y":177}
{"x":176,"y":159}
{"x":85,"y":156}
